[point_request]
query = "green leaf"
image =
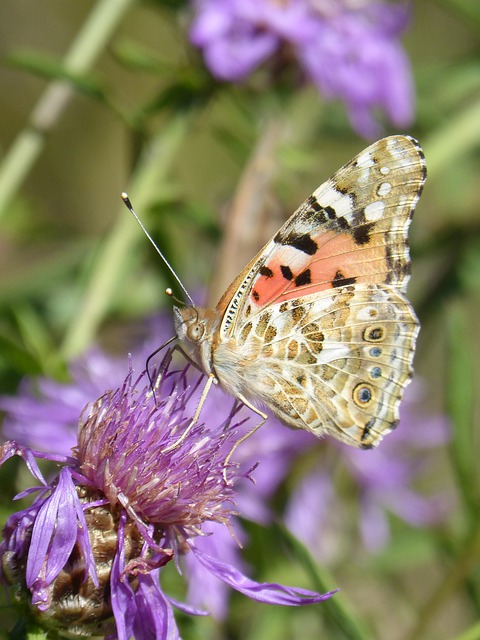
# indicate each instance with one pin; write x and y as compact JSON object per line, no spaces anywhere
{"x":473,"y":633}
{"x":52,"y":68}
{"x":460,"y":391}
{"x":38,"y":341}
{"x":134,"y":56}
{"x":337,"y":609}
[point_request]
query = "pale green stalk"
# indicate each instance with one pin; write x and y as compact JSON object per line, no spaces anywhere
{"x":471,"y":634}
{"x":108,"y":271}
{"x":453,"y":140}
{"x":89,"y":44}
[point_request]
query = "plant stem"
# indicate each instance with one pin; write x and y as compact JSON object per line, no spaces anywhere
{"x":90,"y":42}
{"x":110,"y":263}
{"x":471,"y":634}
{"x":464,"y":564}
{"x":244,"y":220}
{"x":460,"y":136}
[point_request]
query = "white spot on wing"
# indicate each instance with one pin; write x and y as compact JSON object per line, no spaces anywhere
{"x":365,"y":161}
{"x":385,"y":171}
{"x":384,"y":189}
{"x":328,"y":195}
{"x":365,"y":313}
{"x":333,"y":351}
{"x":374,"y":211}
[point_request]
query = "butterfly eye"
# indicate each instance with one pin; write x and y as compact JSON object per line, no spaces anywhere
{"x":195,"y":331}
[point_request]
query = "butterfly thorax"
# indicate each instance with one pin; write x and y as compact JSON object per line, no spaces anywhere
{"x":195,"y":327}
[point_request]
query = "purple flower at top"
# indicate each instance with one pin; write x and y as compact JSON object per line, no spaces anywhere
{"x":350,"y":50}
{"x":144,"y":484}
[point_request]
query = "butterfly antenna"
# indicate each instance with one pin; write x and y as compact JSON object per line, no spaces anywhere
{"x":128,"y":204}
{"x":171,"y":295}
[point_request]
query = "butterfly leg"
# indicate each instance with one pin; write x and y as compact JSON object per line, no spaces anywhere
{"x":263,"y":417}
{"x":210,"y":380}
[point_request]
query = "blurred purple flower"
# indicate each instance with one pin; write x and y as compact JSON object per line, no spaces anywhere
{"x":350,"y":50}
{"x":384,"y":478}
{"x":44,"y":414}
{"x":141,"y":485}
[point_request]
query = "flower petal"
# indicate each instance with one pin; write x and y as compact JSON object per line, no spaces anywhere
{"x":155,"y":614}
{"x":53,"y":537}
{"x":122,"y":596}
{"x":267,"y":592}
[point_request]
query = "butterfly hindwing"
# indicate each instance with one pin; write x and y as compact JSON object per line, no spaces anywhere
{"x":334,"y":363}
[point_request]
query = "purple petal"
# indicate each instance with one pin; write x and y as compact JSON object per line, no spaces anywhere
{"x":53,"y":538}
{"x":266,"y":592}
{"x":205,"y":589}
{"x":155,"y":614}
{"x":122,"y":596}
{"x":12,"y":448}
{"x":309,"y":511}
{"x":374,"y":527}
{"x":186,"y":608}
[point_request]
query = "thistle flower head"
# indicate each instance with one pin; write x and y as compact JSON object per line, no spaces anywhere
{"x":146,"y":479}
{"x":154,"y":459}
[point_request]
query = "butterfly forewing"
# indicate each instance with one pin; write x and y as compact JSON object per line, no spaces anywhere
{"x":351,"y":230}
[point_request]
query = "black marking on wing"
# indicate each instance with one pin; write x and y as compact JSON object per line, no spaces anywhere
{"x":331,"y":213}
{"x":312,"y":204}
{"x":303,"y":242}
{"x":361,"y":234}
{"x":398,"y":266}
{"x":305,"y":277}
{"x":266,"y":271}
{"x":340,"y":221}
{"x":286,"y":272}
{"x":339,"y":280}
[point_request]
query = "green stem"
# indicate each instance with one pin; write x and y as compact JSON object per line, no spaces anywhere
{"x":338,"y":610}
{"x":246,"y":215}
{"x":450,"y":584}
{"x":453,"y":140}
{"x":471,"y":634}
{"x":90,"y":42}
{"x":110,"y":263}
{"x":461,"y":408}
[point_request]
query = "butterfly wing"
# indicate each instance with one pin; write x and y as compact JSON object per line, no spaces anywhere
{"x":334,"y":363}
{"x":351,"y":230}
{"x":317,"y":327}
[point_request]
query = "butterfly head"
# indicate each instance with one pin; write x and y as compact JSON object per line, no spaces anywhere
{"x":195,"y":327}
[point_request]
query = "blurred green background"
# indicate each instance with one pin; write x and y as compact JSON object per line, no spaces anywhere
{"x":75,"y":270}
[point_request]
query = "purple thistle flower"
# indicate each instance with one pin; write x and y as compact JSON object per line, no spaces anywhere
{"x":383,"y":479}
{"x":349,"y":50}
{"x":44,"y":413}
{"x":145,"y":482}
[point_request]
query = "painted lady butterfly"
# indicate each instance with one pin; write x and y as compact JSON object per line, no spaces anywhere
{"x":317,"y":327}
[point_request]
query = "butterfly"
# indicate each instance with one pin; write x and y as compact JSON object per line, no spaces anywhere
{"x":317,"y":327}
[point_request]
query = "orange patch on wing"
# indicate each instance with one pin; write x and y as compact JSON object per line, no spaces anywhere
{"x":337,"y":254}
